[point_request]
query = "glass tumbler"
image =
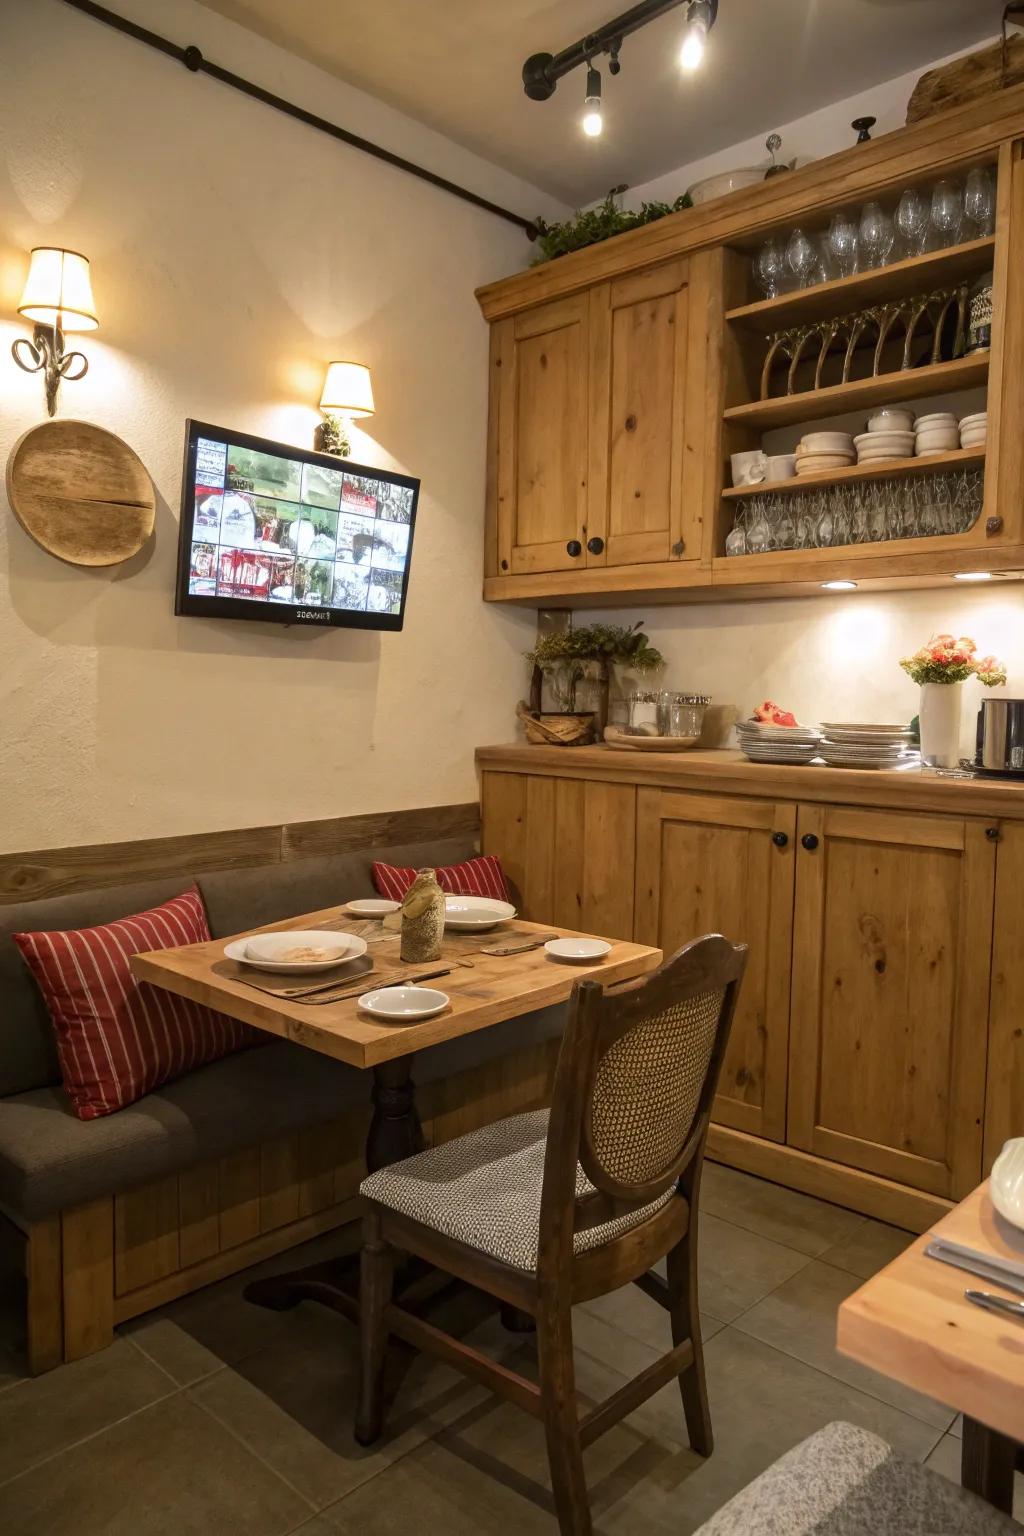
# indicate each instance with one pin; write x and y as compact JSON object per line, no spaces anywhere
{"x":682,"y":714}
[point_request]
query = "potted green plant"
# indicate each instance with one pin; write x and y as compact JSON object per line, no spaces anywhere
{"x":571,"y":657}
{"x":606,"y":219}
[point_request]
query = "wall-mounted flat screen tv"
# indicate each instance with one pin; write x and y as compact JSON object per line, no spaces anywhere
{"x":273,"y":532}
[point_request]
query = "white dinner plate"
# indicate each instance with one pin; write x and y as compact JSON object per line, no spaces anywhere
{"x":578,"y":951}
{"x":372,"y":907}
{"x":1006,"y":1185}
{"x":259,"y":951}
{"x":403,"y":1004}
{"x":475,"y":914}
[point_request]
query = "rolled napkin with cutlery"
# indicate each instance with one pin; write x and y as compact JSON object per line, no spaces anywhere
{"x":423,"y":912}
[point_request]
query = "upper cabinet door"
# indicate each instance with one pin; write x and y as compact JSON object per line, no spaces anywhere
{"x":891,"y":970}
{"x":542,"y":438}
{"x":639,"y":328}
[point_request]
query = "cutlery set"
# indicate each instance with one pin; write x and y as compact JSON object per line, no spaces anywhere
{"x":997,"y":1271}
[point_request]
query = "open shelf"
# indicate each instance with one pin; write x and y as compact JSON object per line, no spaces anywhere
{"x":886,"y":469}
{"x":846,"y":295}
{"x":882,"y":389}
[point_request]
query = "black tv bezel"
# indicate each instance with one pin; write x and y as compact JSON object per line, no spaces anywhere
{"x":191,"y":605}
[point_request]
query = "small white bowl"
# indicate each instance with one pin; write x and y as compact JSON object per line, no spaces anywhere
{"x":975,"y":438}
{"x":937,"y":419}
{"x":475,"y":914}
{"x":937,"y":440}
{"x":978,"y":419}
{"x":403,"y":1004}
{"x":825,"y":442}
{"x":577,"y":951}
{"x":372,"y":907}
{"x":899,"y":444}
{"x":892,"y":418}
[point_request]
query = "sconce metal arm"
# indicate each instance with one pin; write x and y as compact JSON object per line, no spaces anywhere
{"x":46,"y":352}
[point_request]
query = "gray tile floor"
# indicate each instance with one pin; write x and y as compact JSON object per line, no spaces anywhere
{"x":213,"y":1416}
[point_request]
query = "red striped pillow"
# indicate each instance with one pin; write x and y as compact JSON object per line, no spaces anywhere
{"x":118,"y":1038}
{"x":476,"y":877}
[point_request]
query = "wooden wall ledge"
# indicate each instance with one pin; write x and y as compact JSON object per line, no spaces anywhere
{"x":727,"y":771}
{"x":974,"y":130}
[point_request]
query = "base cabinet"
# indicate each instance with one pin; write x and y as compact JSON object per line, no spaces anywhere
{"x":890,"y":994}
{"x":719,"y":864}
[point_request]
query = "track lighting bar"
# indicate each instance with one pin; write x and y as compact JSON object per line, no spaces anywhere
{"x":542,"y":71}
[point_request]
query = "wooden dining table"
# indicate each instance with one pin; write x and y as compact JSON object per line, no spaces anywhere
{"x":912,"y":1323}
{"x":483,"y":990}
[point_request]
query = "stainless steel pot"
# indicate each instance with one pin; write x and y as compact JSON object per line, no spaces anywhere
{"x":1000,"y":744}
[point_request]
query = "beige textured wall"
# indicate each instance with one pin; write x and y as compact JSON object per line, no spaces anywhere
{"x":234,"y":251}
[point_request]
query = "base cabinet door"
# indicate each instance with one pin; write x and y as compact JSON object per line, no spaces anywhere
{"x":891,"y":970}
{"x":568,"y":847}
{"x":1004,"y":1099}
{"x":714,"y":864}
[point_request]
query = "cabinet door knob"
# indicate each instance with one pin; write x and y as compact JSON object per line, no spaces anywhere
{"x":574,"y":548}
{"x":992,"y":833}
{"x":678,"y":547}
{"x":780,"y":839}
{"x":595,"y":545}
{"x":630,"y":423}
{"x":809,"y":841}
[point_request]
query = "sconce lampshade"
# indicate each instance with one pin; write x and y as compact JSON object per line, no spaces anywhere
{"x":347,"y":390}
{"x":58,"y":291}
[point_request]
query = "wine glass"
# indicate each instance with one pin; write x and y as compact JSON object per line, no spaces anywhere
{"x":979,"y":201}
{"x":912,"y":221}
{"x":758,"y":533}
{"x":769,"y":268}
{"x":947,"y":212}
{"x":736,"y":542}
{"x":801,"y":255}
{"x":876,"y":235}
{"x":842,"y":243}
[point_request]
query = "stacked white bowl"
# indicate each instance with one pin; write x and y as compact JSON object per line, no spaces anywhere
{"x":937,"y":433}
{"x":974,"y":430}
{"x":890,"y":435}
{"x":818,"y":452}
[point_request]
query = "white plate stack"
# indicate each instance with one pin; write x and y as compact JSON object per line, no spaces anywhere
{"x":850,"y":744}
{"x":778,"y":743}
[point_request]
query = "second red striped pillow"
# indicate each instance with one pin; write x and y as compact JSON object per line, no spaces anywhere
{"x":476,"y":877}
{"x":118,"y":1038}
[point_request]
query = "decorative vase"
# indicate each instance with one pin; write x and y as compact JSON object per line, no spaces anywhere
{"x":423,"y":912}
{"x":941,"y":705}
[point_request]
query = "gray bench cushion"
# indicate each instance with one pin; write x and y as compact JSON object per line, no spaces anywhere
{"x":844,"y":1481}
{"x":50,"y":1160}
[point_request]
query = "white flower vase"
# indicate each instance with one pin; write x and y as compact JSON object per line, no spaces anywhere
{"x":939,"y":716}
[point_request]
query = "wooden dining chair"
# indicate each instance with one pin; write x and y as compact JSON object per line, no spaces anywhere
{"x":542,"y":1212}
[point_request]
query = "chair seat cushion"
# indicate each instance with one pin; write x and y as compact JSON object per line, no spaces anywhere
{"x":484,"y":1190}
{"x":845,"y":1481}
{"x":118,"y":1038}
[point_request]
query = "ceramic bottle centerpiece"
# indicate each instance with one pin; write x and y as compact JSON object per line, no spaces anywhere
{"x":423,"y":912}
{"x":941,"y":668}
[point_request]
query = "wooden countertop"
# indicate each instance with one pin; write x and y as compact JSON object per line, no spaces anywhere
{"x":727,"y":771}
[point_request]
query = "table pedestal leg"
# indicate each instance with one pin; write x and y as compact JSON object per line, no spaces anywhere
{"x":394,"y":1133}
{"x":988,"y":1460}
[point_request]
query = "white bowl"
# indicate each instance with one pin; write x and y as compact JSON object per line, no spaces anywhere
{"x":578,"y":951}
{"x":897,"y":445}
{"x":978,"y":419}
{"x":937,"y":419}
{"x":937,"y":440}
{"x":264,"y":950}
{"x":1006,"y":1185}
{"x":896,"y":418}
{"x":973,"y":437}
{"x":372,"y":907}
{"x":403,"y":1004}
{"x":475,"y":914}
{"x":825,"y":442}
{"x":725,"y":181}
{"x":780,"y":466}
{"x":818,"y":463}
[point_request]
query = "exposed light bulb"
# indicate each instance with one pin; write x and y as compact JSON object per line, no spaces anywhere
{"x":592,"y":121}
{"x":698,"y":21}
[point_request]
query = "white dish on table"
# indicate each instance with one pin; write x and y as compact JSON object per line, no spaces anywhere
{"x":1006,"y":1185}
{"x":475,"y":914}
{"x":402,"y":1005}
{"x":264,"y":950}
{"x":372,"y":907}
{"x":577,"y":951}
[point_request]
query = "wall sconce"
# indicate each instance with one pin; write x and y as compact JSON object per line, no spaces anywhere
{"x":58,"y":297}
{"x":347,"y":394}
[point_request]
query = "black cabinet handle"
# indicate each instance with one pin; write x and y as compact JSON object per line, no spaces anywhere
{"x":780,"y":839}
{"x":809,"y":841}
{"x":595,"y":545}
{"x":992,"y":833}
{"x":574,"y":548}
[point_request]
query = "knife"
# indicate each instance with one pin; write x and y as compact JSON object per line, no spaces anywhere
{"x":996,"y":1303}
{"x":975,"y":1264}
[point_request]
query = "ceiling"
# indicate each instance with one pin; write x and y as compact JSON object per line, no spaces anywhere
{"x":455,"y":66}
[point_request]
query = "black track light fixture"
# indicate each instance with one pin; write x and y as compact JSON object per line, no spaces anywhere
{"x":592,"y":121}
{"x":542,"y":71}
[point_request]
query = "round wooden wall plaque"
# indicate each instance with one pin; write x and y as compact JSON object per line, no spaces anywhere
{"x":81,"y":493}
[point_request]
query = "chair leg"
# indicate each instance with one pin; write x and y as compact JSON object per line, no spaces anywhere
{"x":558,"y":1399}
{"x":376,"y":1281}
{"x":681,"y":1265}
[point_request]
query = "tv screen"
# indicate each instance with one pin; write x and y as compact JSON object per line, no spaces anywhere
{"x":273,"y":532}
